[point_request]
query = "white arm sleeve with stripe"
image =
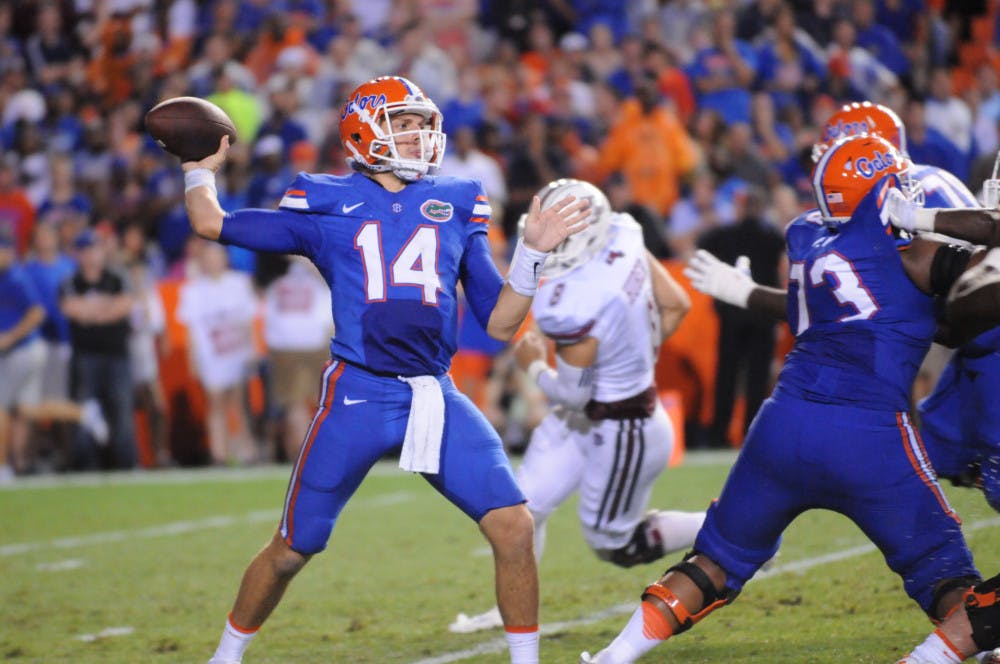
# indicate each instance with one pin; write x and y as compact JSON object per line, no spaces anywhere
{"x":570,"y":386}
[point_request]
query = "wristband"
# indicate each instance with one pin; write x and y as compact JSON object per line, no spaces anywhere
{"x":525,"y":269}
{"x":536,"y":368}
{"x":199,"y":177}
{"x":923,"y":219}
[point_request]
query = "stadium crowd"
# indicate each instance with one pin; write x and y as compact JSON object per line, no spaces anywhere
{"x":693,"y":115}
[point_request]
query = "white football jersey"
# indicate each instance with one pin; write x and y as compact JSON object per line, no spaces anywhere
{"x":610,"y":298}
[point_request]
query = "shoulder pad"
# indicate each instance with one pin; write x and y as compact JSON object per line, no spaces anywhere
{"x":316,"y":192}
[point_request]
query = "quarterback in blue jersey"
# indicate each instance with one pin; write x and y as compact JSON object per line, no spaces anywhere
{"x":861,"y":304}
{"x":393,"y":242}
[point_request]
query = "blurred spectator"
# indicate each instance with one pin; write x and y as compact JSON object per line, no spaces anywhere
{"x":298,"y":325}
{"x":241,"y":106}
{"x":271,"y":176}
{"x":54,"y":54}
{"x":681,"y":26}
{"x":22,"y":355}
{"x":737,"y":160}
{"x":947,"y":113}
{"x":218,"y":306}
{"x":32,"y":162}
{"x":602,"y":57}
{"x":466,"y":108}
{"x":694,"y":214}
{"x":927,"y":145}
{"x":148,"y":323}
{"x":49,"y":267}
{"x":421,"y":60}
{"x":671,"y":81}
{"x":987,"y":111}
{"x":17,"y":214}
{"x":464,"y":159}
{"x":534,"y":161}
{"x":651,"y":148}
{"x":878,"y":39}
{"x":854,"y":72}
{"x":11,"y":58}
{"x":790,"y":67}
{"x":722,"y":72}
{"x":218,"y":53}
{"x":817,"y":18}
{"x":754,"y":17}
{"x":282,"y":121}
{"x":98,"y":306}
{"x":746,"y":338}
{"x":653,"y":228}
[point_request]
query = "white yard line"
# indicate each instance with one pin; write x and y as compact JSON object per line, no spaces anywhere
{"x":494,"y":646}
{"x":181,"y":527}
{"x":105,"y":633}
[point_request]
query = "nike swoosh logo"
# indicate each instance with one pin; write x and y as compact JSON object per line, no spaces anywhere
{"x":351,"y":402}
{"x":347,"y":209}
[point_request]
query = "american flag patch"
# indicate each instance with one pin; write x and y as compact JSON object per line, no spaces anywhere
{"x":294,"y":199}
{"x":834,"y":197}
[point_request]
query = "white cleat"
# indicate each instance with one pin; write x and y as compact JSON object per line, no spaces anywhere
{"x":220,"y":660}
{"x":465,"y":624}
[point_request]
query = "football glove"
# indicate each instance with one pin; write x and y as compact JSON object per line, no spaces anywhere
{"x":728,"y":283}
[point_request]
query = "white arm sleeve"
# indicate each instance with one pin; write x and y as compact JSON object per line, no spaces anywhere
{"x":570,"y":386}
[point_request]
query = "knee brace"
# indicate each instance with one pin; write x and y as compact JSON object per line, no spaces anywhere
{"x":641,"y":549}
{"x":982,"y":605}
{"x":712,"y":599}
{"x":945,"y":587}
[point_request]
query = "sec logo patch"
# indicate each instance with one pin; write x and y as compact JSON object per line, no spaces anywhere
{"x":438,"y":211}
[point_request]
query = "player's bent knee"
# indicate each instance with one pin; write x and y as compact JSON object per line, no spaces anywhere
{"x":508,"y":525}
{"x":712,"y":597}
{"x":982,"y":606}
{"x":284,"y":560}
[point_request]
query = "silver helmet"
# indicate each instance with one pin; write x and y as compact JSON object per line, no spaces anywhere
{"x":579,"y":248}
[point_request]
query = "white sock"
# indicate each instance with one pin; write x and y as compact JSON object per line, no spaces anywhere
{"x":523,"y":646}
{"x":233,"y":642}
{"x":677,"y":530}
{"x":935,"y":650}
{"x":631,"y":643}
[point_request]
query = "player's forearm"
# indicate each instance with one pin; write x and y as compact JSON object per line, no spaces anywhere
{"x":204,"y":212}
{"x":671,"y":299}
{"x":975,"y":225}
{"x":509,"y":312}
{"x":772,"y":301}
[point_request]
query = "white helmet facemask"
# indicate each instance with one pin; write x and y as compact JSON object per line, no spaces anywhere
{"x":383,"y":147}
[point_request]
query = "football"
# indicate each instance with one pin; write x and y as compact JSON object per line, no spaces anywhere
{"x":189,"y":127}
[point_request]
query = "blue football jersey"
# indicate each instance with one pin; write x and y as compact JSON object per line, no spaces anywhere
{"x":392,"y":261}
{"x":941,"y":188}
{"x":862,"y":327}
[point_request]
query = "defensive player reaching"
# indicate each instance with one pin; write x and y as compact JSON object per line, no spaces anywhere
{"x":861,"y":304}
{"x":959,"y":424}
{"x":392,"y":243}
{"x":608,"y":304}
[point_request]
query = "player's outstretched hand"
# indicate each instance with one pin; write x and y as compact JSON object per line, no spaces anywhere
{"x":529,"y":348}
{"x":729,"y":283}
{"x":212,"y":162}
{"x":545,"y":229}
{"x":898,"y":210}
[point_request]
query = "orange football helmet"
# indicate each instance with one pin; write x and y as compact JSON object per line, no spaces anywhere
{"x":367,"y":134}
{"x":862,"y":118}
{"x":848,"y":170}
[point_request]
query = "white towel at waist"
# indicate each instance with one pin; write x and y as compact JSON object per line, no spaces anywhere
{"x":421,"y":451}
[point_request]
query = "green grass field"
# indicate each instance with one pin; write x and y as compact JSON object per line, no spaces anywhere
{"x":143,"y":568}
